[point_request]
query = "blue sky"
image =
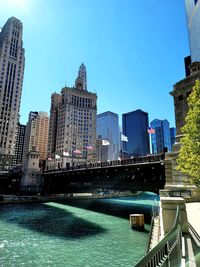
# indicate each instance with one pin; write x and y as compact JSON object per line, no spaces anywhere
{"x":133,"y":49}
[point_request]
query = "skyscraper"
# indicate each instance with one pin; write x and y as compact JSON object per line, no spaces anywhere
{"x":134,"y":126}
{"x":11,"y":78}
{"x":108,"y":129}
{"x":36,"y":136}
{"x":19,"y":144}
{"x":193,"y":22}
{"x":72,"y":126}
{"x":161,"y":141}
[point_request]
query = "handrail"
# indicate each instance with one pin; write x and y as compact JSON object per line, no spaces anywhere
{"x":144,"y":159}
{"x":160,"y":255}
{"x":195,"y":235}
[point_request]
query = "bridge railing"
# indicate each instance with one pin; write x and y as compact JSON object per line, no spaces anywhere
{"x":167,"y":252}
{"x":98,"y":164}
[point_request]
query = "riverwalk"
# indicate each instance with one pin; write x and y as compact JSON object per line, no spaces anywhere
{"x":193,"y":215}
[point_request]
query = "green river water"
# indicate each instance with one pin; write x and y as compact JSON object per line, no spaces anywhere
{"x":75,"y":233}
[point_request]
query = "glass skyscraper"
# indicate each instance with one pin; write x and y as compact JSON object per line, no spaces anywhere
{"x":193,"y":23}
{"x":161,"y":140}
{"x":134,"y":126}
{"x":108,"y":129}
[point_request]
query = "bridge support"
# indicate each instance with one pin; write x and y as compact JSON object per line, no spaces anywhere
{"x":175,"y":180}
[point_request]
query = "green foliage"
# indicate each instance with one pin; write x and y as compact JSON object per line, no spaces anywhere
{"x":189,"y":155}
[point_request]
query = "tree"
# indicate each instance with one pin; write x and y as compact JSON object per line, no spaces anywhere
{"x":189,"y":156}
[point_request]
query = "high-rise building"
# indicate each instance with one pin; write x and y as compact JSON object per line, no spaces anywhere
{"x":36,"y":135}
{"x":193,"y":22}
{"x":134,"y":126}
{"x":161,"y":141}
{"x":53,"y":121}
{"x":108,"y":129}
{"x":19,"y":144}
{"x":12,"y":62}
{"x":72,"y":129}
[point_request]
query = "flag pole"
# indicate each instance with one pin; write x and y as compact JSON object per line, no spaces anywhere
{"x":150,"y":144}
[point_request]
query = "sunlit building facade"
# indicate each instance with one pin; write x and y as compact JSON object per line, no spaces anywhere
{"x":108,"y":129}
{"x":12,"y":62}
{"x":193,"y":23}
{"x":72,"y":128}
{"x":36,"y":135}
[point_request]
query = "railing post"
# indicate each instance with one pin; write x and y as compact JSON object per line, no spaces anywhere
{"x":167,"y":254}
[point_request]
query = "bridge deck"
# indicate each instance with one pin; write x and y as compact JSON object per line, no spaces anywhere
{"x":144,"y":176}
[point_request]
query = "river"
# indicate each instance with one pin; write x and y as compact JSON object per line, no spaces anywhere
{"x":85,"y":233}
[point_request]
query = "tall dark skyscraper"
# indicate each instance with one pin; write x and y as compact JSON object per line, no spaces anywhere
{"x":19,"y":144}
{"x":161,"y":141}
{"x":11,"y":78}
{"x":134,"y":126}
{"x":193,"y":23}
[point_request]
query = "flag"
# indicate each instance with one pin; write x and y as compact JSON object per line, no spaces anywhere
{"x":65,"y":154}
{"x":124,"y":138}
{"x":77,"y":151}
{"x":150,"y":130}
{"x":89,"y":147}
{"x":57,"y":157}
{"x":105,"y":143}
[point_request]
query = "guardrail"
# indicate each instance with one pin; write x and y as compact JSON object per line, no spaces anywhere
{"x":75,"y":166}
{"x":167,"y":253}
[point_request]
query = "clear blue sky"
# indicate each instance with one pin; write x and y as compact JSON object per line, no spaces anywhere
{"x":133,"y":49}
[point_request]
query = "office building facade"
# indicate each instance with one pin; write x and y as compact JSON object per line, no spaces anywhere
{"x":134,"y":126}
{"x":193,"y":22}
{"x":36,"y":135}
{"x":12,"y":62}
{"x":72,"y":128}
{"x":108,"y":129}
{"x":161,"y":140}
{"x":19,"y":144}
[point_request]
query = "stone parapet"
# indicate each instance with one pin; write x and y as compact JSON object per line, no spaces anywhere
{"x":168,"y":213}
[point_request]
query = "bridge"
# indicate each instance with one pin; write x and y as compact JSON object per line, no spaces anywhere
{"x":135,"y":174}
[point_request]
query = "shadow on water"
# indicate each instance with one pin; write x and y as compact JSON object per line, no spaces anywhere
{"x":120,"y":207}
{"x":49,"y":221}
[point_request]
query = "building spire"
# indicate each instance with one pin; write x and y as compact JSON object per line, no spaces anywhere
{"x":81,"y":81}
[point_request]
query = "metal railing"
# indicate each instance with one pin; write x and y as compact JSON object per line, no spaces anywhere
{"x":167,"y":253}
{"x":76,"y":166}
{"x":194,"y":234}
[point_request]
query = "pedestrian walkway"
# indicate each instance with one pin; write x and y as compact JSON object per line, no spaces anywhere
{"x":155,"y":237}
{"x":193,"y":214}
